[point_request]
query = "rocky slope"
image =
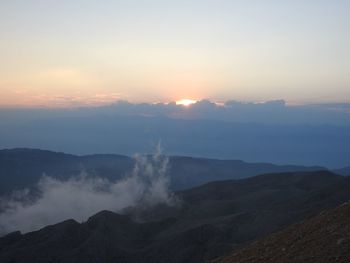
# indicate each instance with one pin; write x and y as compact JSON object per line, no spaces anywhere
{"x":324,"y":238}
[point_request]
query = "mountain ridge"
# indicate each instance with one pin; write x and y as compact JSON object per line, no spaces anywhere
{"x":23,"y":167}
{"x":212,"y":220}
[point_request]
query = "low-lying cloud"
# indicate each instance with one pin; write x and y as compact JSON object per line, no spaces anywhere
{"x":82,"y":196}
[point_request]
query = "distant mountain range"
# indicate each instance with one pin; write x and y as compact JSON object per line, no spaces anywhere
{"x":20,"y":168}
{"x":91,"y":131}
{"x":212,"y":220}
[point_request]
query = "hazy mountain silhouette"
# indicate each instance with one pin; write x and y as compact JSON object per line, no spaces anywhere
{"x":343,"y":171}
{"x":212,"y":220}
{"x":20,"y":168}
{"x":255,"y":134}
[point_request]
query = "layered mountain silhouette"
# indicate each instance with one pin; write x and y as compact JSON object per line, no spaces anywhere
{"x":211,"y":221}
{"x":324,"y":238}
{"x":20,"y":168}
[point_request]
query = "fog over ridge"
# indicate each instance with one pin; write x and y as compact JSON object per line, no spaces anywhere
{"x":82,"y":196}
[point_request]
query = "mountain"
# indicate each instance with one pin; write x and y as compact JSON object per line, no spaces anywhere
{"x":343,"y":171}
{"x":324,"y":238}
{"x":20,"y":168}
{"x":210,"y":221}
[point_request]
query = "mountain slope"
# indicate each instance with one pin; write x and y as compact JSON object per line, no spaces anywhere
{"x":212,"y":220}
{"x":324,"y":238}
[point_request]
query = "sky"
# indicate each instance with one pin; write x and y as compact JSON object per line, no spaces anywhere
{"x":65,"y":53}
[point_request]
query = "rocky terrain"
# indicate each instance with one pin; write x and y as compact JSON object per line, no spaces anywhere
{"x":324,"y":238}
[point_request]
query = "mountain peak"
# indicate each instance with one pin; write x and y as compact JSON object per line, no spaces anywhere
{"x":108,"y":216}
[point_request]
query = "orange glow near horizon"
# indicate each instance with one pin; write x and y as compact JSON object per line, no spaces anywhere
{"x":185,"y":102}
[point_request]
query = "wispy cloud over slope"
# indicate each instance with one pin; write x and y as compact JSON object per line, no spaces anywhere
{"x":81,"y":196}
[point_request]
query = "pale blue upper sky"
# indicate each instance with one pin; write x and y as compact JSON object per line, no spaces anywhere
{"x":89,"y":52}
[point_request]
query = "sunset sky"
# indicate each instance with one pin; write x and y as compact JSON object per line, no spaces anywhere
{"x":92,"y":52}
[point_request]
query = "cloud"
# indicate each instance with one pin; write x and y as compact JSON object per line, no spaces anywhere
{"x":76,"y":100}
{"x":270,"y":112}
{"x":82,"y":196}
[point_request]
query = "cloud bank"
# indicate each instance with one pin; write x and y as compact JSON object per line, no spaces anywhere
{"x":269,"y":112}
{"x":82,"y":196}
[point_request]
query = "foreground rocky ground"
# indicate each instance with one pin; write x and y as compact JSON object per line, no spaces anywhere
{"x":324,"y":238}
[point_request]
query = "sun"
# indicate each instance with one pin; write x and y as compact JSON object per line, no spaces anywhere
{"x":185,"y":102}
